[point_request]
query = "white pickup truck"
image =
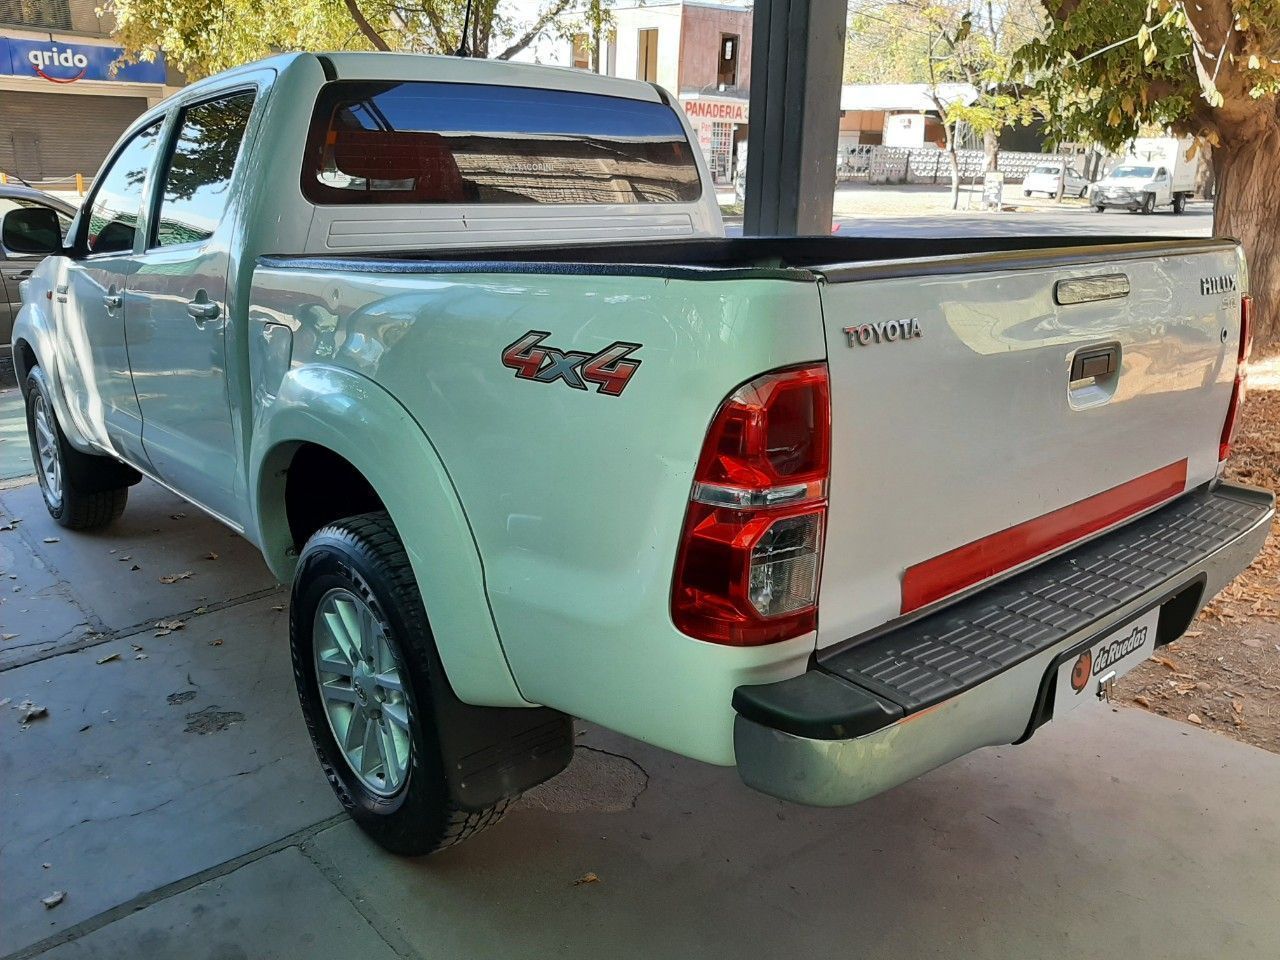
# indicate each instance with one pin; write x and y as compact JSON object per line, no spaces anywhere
{"x":461,"y":347}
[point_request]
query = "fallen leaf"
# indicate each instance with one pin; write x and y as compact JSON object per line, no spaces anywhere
{"x":586,"y":878}
{"x":216,"y":643}
{"x":1142,"y":702}
{"x":177,"y":516}
{"x":136,"y":647}
{"x":1195,"y":718}
{"x":1166,"y":662}
{"x":124,"y":559}
{"x":5,"y":701}
{"x":53,"y":899}
{"x":199,"y":611}
{"x":46,"y":865}
{"x":1238,"y":707}
{"x":278,"y":606}
{"x":139,"y":656}
{"x":51,"y":540}
{"x":8,"y":636}
{"x":175,"y":577}
{"x":166,"y":627}
{"x":108,"y":658}
{"x":1251,"y":643}
{"x":135,"y":567}
{"x":29,"y":710}
{"x":85,"y":727}
{"x":211,"y":555}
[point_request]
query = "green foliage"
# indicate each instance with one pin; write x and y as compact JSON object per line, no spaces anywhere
{"x":1114,"y":67}
{"x":199,"y":37}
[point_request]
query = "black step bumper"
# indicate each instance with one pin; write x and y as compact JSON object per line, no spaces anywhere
{"x":877,"y":711}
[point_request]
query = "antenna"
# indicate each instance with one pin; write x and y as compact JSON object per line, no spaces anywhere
{"x":464,"y":50}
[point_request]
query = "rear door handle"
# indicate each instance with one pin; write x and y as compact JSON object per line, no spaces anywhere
{"x":202,"y":310}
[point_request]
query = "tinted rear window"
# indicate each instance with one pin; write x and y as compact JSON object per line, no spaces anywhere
{"x":416,"y":142}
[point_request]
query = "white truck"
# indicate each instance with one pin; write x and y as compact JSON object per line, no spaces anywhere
{"x":460,"y":346}
{"x":1156,"y":172}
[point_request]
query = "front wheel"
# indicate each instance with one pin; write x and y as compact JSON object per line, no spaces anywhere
{"x":1099,"y":208}
{"x":81,"y":491}
{"x":1149,"y":203}
{"x":362,"y":655}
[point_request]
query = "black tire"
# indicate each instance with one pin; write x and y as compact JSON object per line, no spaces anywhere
{"x":1179,"y":202}
{"x":1098,"y":208}
{"x":1026,"y":193}
{"x":89,"y":491}
{"x":1084,"y":192}
{"x":1148,"y":204}
{"x":364,"y":555}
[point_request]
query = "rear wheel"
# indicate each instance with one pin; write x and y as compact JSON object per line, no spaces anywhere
{"x":1179,"y":202}
{"x":362,"y":655}
{"x":1026,"y":193}
{"x":81,"y":491}
{"x":1099,"y":208}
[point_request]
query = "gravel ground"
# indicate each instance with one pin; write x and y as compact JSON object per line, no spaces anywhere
{"x":1224,"y":674}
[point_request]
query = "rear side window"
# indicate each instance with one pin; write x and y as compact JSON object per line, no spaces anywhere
{"x":422,"y":142}
{"x":198,"y":178}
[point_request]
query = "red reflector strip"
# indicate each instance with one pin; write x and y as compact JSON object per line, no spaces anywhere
{"x":974,"y":562}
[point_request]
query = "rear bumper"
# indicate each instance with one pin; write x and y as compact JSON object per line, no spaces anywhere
{"x":881,"y":711}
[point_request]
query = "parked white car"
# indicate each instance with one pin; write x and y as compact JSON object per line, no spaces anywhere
{"x":1044,"y":179}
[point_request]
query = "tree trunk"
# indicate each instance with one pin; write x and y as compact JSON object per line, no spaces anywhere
{"x":1248,"y":209}
{"x":990,"y":151}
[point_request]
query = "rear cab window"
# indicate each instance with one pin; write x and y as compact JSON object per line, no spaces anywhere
{"x":462,"y":143}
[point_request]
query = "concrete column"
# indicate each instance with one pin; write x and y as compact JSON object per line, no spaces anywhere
{"x":797,"y":57}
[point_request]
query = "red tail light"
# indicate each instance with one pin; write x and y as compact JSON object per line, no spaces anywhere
{"x":751,"y":550}
{"x":1242,"y":377}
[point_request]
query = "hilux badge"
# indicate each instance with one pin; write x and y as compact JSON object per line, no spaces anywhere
{"x":886,"y":331}
{"x":1209,"y":286}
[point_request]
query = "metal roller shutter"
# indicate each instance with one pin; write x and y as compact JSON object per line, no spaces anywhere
{"x":49,"y":135}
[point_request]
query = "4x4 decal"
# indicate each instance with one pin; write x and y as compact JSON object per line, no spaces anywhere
{"x":609,"y":369}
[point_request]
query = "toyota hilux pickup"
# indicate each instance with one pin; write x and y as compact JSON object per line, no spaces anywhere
{"x":461,"y":347}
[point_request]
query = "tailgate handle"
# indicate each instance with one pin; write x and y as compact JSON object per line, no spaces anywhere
{"x":1095,"y":362}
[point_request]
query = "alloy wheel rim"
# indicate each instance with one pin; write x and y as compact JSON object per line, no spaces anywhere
{"x":46,"y":444}
{"x":363,"y":691}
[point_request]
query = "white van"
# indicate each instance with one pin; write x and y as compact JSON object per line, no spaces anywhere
{"x":1154,"y":173}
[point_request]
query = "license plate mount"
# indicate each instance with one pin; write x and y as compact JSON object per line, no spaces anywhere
{"x":1089,"y":675}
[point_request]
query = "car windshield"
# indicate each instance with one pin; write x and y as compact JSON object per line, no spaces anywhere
{"x":1128,"y":170}
{"x":1046,"y":168}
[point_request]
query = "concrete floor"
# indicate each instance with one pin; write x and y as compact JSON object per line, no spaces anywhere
{"x":172,"y":794}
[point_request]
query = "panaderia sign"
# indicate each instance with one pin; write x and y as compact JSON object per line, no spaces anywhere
{"x":66,"y":62}
{"x":718,"y":110}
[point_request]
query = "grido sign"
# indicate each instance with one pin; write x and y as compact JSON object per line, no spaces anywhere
{"x":59,"y":61}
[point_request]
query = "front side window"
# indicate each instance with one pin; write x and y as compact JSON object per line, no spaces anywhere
{"x":198,"y":179}
{"x":423,"y":142}
{"x":117,"y":203}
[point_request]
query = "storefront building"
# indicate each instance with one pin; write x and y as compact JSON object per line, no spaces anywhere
{"x":64,"y":96}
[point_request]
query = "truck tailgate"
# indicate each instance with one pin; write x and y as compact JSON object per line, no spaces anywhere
{"x":990,"y":410}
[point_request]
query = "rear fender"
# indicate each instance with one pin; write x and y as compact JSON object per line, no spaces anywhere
{"x":358,"y":420}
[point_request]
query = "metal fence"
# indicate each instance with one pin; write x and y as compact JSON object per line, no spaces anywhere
{"x":880,"y":164}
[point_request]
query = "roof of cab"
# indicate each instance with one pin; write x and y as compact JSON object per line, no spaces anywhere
{"x":418,"y":66}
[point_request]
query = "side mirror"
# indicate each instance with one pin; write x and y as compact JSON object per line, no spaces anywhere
{"x":32,"y":230}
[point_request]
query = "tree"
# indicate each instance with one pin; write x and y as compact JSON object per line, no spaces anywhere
{"x":944,"y":42}
{"x":199,"y":38}
{"x":1210,"y":69}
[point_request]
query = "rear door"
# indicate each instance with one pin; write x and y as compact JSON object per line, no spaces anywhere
{"x":976,"y":412}
{"x":177,"y":312}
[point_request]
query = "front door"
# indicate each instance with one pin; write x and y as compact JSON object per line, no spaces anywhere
{"x":90,"y":302}
{"x":177,"y":312}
